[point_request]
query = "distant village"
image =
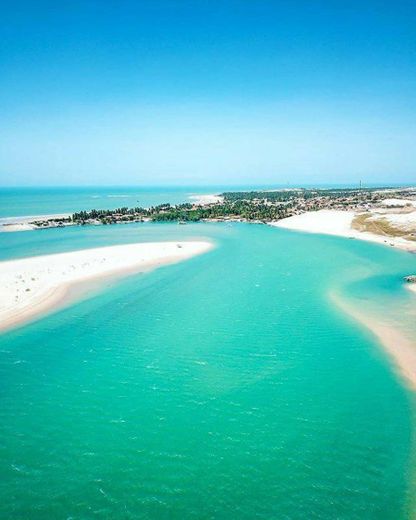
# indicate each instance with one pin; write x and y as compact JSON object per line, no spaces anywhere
{"x":242,"y":206}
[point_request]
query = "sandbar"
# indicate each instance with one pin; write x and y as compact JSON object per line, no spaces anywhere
{"x":400,"y":348}
{"x":30,"y":287}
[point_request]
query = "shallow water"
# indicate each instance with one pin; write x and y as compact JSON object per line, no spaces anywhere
{"x":226,"y":386}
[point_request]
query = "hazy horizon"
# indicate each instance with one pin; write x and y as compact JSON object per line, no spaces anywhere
{"x":184,"y":187}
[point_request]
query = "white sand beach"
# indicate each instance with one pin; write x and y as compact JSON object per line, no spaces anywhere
{"x":337,"y":222}
{"x":10,"y":228}
{"x":411,"y":287}
{"x":11,"y":224}
{"x":32,"y":286}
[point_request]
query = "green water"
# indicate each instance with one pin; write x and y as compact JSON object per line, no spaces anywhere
{"x":227,"y":386}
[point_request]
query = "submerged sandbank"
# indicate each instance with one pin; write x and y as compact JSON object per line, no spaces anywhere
{"x":32,"y":286}
{"x":411,"y":287}
{"x":400,"y":348}
{"x":337,"y":222}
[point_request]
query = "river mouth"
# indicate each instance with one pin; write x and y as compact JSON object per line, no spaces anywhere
{"x":227,"y":383}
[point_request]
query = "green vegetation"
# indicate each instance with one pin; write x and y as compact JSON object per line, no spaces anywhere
{"x":248,"y":206}
{"x":293,"y":195}
{"x":242,"y":209}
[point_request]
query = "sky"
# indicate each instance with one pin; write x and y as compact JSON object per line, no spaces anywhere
{"x":207,"y":92}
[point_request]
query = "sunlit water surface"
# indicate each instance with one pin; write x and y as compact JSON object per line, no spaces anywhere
{"x":226,"y":386}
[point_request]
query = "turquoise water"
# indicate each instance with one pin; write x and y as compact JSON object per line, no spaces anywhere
{"x":16,"y":202}
{"x":22,"y":202}
{"x":226,"y":386}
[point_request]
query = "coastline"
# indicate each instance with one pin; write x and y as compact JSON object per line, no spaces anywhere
{"x":31,"y":287}
{"x":25,"y":223}
{"x":339,"y":223}
{"x":399,"y":348}
{"x":411,"y":287}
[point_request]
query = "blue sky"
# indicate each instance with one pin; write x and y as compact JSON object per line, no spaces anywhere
{"x":206,"y":92}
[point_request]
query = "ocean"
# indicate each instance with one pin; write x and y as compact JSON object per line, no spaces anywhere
{"x":226,"y":386}
{"x":23,"y":202}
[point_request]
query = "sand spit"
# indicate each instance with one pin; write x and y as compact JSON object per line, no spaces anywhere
{"x":29,"y":287}
{"x":400,"y":349}
{"x":11,"y":224}
{"x":411,"y":287}
{"x":337,"y":222}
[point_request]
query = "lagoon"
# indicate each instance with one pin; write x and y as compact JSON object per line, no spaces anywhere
{"x":226,"y":386}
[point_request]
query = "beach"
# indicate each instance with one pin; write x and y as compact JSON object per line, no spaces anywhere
{"x":208,"y":260}
{"x":25,"y":223}
{"x":233,"y":366}
{"x":411,"y":287}
{"x":32,"y":286}
{"x":400,"y":348}
{"x":339,"y":223}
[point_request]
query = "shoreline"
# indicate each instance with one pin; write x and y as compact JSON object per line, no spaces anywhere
{"x":24,"y":223}
{"x":32,"y":287}
{"x":338,"y":223}
{"x":399,"y":348}
{"x":411,"y":287}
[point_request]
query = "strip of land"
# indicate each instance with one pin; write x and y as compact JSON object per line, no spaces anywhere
{"x":395,"y":229}
{"x":378,"y":211}
{"x":26,"y":223}
{"x":392,"y":225}
{"x":412,"y":287}
{"x":30,"y":287}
